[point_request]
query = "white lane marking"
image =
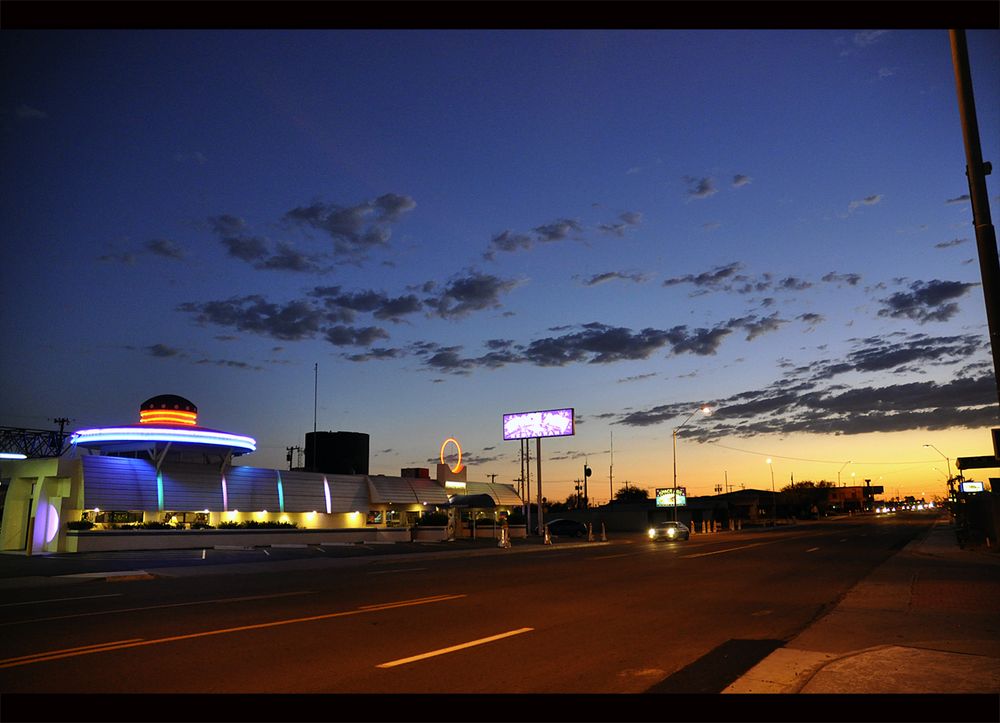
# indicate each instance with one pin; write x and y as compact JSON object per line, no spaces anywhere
{"x":202,"y":554}
{"x":731,"y":549}
{"x":844,"y":539}
{"x":59,"y":599}
{"x":399,"y":569}
{"x":608,"y":557}
{"x":137,"y":642}
{"x":266,"y":552}
{"x":812,"y":549}
{"x":157,"y":607}
{"x":453,"y":648}
{"x":66,"y":652}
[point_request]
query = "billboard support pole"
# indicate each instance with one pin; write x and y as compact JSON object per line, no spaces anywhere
{"x":538,"y":475}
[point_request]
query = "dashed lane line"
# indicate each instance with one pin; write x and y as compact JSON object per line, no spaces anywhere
{"x":139,"y":642}
{"x":453,"y":648}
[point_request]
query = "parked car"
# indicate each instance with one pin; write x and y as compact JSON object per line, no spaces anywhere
{"x":566,"y":528}
{"x":669,"y":531}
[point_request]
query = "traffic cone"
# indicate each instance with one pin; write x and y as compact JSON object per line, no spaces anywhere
{"x":604,"y":537}
{"x":590,"y":532}
{"x":548,"y":539}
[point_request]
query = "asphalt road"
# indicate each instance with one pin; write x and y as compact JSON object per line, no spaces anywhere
{"x":627,"y":616}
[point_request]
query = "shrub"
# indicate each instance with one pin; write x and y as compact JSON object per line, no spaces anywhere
{"x":154,"y":525}
{"x":436,"y":519}
{"x":201,"y":526}
{"x":79,"y":525}
{"x":257,"y":525}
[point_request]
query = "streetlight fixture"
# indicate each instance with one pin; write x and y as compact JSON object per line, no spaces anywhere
{"x":704,"y":409}
{"x":774,"y":503}
{"x":948,"y":461}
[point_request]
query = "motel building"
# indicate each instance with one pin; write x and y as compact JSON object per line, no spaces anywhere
{"x":168,"y":483}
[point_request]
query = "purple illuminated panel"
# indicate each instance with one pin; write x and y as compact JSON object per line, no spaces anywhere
{"x":546,"y":423}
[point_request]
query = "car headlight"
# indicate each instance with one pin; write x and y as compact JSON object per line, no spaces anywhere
{"x":671,"y":532}
{"x":652,"y":532}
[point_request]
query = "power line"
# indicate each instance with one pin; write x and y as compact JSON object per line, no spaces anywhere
{"x":804,"y":459}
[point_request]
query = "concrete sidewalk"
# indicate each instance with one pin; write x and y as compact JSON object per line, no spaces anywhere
{"x":925,"y":621}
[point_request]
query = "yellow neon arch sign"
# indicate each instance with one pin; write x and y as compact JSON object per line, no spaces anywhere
{"x":458,"y":465}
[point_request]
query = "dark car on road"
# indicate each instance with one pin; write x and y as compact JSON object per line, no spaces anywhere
{"x":669,"y":531}
{"x":566,"y":528}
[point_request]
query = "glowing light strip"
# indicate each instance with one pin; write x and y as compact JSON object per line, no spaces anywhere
{"x":326,"y":492}
{"x":161,"y":434}
{"x":12,"y":455}
{"x":225,"y":495}
{"x":281,"y":495}
{"x":458,"y":465}
{"x":159,"y":491}
{"x":167,"y":416}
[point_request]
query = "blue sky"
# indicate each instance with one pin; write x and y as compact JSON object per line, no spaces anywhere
{"x":458,"y":224}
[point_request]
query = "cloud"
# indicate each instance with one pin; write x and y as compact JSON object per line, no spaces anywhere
{"x":463,"y":295}
{"x":377,"y":353}
{"x":928,"y":301}
{"x":344,"y":304}
{"x":558,"y":230}
{"x":966,"y":402}
{"x":792,"y":283}
{"x":637,"y":378}
{"x":355,"y":230}
{"x":700,"y":187}
{"x":245,"y":248}
{"x":884,"y":72}
{"x":508,"y":241}
{"x":849,"y":279}
{"x":740,"y":180}
{"x":964,"y":198}
{"x":352,"y":336}
{"x":591,"y":343}
{"x":292,"y":321}
{"x":165,"y":248}
{"x":757,"y":326}
{"x":952,"y":242}
{"x":231,"y":364}
{"x":287,"y":258}
{"x":866,"y":201}
{"x":811,"y":319}
{"x":26,"y":112}
{"x":627,"y":220}
{"x":163,"y":351}
{"x":612,"y":275}
{"x":711,"y":279}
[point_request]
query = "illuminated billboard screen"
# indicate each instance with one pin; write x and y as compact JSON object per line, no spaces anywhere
{"x":546,"y":423}
{"x":972,"y":487}
{"x":665,"y":496}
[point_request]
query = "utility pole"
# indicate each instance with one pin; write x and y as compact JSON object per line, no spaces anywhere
{"x":976,"y":171}
{"x":493,"y":478}
{"x":62,"y":422}
{"x":290,"y":451}
{"x":611,"y":470}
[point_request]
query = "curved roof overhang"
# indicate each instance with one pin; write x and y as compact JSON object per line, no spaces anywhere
{"x":142,"y":436}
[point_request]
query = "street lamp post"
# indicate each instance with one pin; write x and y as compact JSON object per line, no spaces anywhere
{"x":774,"y":503}
{"x":841,"y":470}
{"x":705,"y":410}
{"x":947,"y":461}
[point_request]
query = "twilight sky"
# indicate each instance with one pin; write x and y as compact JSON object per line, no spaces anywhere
{"x":458,"y":224}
